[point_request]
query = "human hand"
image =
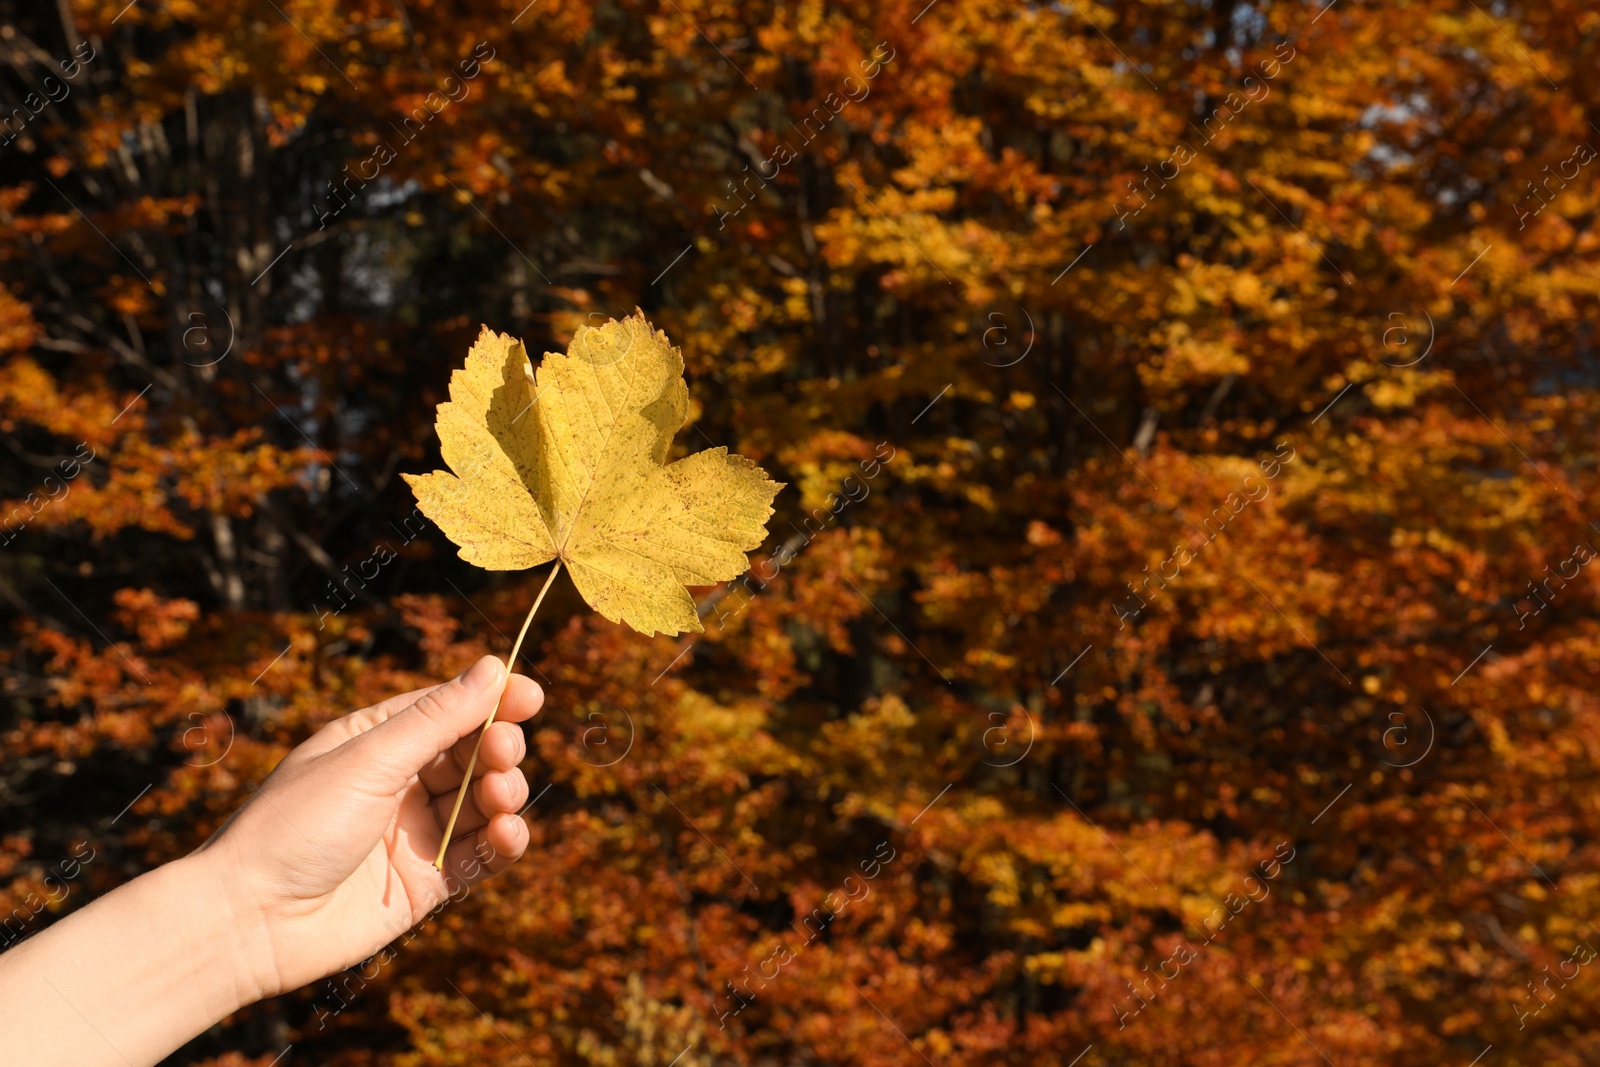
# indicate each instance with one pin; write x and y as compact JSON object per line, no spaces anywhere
{"x":332,"y":858}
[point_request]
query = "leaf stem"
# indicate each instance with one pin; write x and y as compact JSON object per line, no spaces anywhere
{"x":466,"y":779}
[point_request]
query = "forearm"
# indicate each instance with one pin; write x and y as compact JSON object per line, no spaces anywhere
{"x":130,"y":977}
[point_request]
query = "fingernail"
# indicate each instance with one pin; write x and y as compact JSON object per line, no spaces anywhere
{"x":483,"y":674}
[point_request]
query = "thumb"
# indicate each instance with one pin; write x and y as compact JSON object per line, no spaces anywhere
{"x":395,"y":750}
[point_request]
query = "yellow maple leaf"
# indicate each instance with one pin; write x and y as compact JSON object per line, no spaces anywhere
{"x":570,"y":464}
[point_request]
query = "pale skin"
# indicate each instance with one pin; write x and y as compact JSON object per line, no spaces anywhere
{"x":329,"y":861}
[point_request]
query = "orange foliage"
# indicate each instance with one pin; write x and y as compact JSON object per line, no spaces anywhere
{"x":1189,"y":419}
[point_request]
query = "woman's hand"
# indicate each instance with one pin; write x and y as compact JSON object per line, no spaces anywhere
{"x":332,"y":858}
{"x":328,"y":861}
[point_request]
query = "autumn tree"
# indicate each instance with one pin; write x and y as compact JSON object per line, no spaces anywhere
{"x":1176,"y":644}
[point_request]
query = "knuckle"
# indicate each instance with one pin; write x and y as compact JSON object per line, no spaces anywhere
{"x":432,"y":709}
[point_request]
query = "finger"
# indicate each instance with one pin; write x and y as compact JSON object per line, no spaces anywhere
{"x":495,"y":792}
{"x":342,"y":729}
{"x":523,"y":699}
{"x":517,"y":705}
{"x":487,"y":851}
{"x":503,"y":748}
{"x":502,"y":791}
{"x":393,"y":752}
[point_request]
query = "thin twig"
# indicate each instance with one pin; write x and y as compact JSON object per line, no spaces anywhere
{"x":466,"y":779}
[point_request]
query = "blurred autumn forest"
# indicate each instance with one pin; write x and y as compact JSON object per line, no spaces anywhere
{"x":1188,"y":653}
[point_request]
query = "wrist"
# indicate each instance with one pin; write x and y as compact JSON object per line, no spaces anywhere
{"x":134,"y":974}
{"x":231,"y":932}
